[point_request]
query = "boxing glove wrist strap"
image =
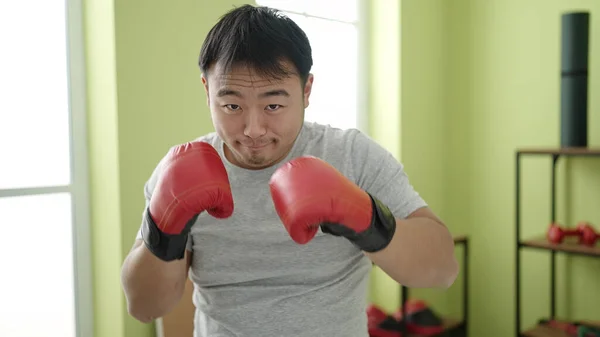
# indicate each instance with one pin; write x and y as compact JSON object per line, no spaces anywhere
{"x":376,"y":237}
{"x":167,"y":247}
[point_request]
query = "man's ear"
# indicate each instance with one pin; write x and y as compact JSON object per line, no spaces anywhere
{"x":308,"y":89}
{"x":205,"y":84}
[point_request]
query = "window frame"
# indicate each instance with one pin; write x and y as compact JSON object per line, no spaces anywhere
{"x":84,"y":313}
{"x":78,"y":186}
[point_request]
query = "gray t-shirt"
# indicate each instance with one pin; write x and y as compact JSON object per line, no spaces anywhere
{"x":251,"y":279}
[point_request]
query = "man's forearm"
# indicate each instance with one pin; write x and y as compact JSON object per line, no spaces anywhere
{"x":420,"y":255}
{"x":152,"y":287}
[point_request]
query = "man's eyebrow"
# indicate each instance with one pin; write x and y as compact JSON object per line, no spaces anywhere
{"x":228,"y":92}
{"x":278,"y":92}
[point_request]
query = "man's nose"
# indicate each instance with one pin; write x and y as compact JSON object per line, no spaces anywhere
{"x":255,"y":124}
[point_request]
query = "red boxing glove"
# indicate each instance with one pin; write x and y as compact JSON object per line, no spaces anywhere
{"x":193,"y":180}
{"x":309,"y":193}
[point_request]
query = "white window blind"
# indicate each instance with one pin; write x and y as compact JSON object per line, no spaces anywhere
{"x":42,"y":193}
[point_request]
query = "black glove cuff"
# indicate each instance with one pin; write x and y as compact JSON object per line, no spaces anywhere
{"x":167,"y":247}
{"x":376,"y":237}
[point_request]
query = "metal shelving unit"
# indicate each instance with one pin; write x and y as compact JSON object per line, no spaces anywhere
{"x":540,"y":242}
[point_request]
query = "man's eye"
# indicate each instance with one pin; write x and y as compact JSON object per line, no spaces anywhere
{"x":273,"y":107}
{"x":232,"y":107}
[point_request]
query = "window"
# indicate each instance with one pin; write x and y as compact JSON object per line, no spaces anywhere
{"x":334,"y":28}
{"x":44,"y":289}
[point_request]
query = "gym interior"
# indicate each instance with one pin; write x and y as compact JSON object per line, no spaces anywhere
{"x":472,"y":96}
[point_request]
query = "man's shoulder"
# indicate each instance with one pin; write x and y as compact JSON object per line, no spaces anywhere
{"x":329,"y":135}
{"x":343,"y":141}
{"x":212,"y":138}
{"x":344,"y":148}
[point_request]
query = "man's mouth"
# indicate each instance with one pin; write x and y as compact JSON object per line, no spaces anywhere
{"x":256,"y":146}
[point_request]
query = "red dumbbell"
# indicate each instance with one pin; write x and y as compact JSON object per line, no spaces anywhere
{"x":556,"y":234}
{"x":588,"y":234}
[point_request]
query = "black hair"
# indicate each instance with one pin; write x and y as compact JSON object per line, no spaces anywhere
{"x":259,"y":38}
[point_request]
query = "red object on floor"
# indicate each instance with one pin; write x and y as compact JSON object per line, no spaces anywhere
{"x":380,"y":324}
{"x":567,"y":327}
{"x":420,"y":319}
{"x":375,"y":315}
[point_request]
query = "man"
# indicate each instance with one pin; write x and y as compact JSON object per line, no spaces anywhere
{"x":277,"y":220}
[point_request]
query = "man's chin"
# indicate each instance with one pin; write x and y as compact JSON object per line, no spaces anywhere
{"x":257,"y":162}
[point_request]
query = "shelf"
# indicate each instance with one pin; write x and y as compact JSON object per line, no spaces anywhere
{"x":449,"y":325}
{"x":460,"y":239}
{"x":568,"y":246}
{"x":567,"y":151}
{"x":546,"y":331}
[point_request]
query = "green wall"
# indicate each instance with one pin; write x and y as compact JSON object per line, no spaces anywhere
{"x":478,"y":79}
{"x":384,"y":105}
{"x":408,"y":115}
{"x":512,"y":57}
{"x":456,"y":86}
{"x":145,"y":95}
{"x":105,"y":197}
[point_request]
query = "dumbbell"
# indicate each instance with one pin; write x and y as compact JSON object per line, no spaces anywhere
{"x":556,"y":234}
{"x":588,"y":234}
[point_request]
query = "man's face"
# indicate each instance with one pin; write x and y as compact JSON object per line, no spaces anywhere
{"x":258,"y":118}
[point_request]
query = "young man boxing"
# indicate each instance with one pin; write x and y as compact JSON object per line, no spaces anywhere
{"x":276,"y":220}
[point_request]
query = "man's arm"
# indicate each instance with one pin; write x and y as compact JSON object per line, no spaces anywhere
{"x":421,"y":253}
{"x":152,"y":287}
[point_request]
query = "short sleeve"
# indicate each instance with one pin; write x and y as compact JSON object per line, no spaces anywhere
{"x":383,"y":176}
{"x":148,"y":189}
